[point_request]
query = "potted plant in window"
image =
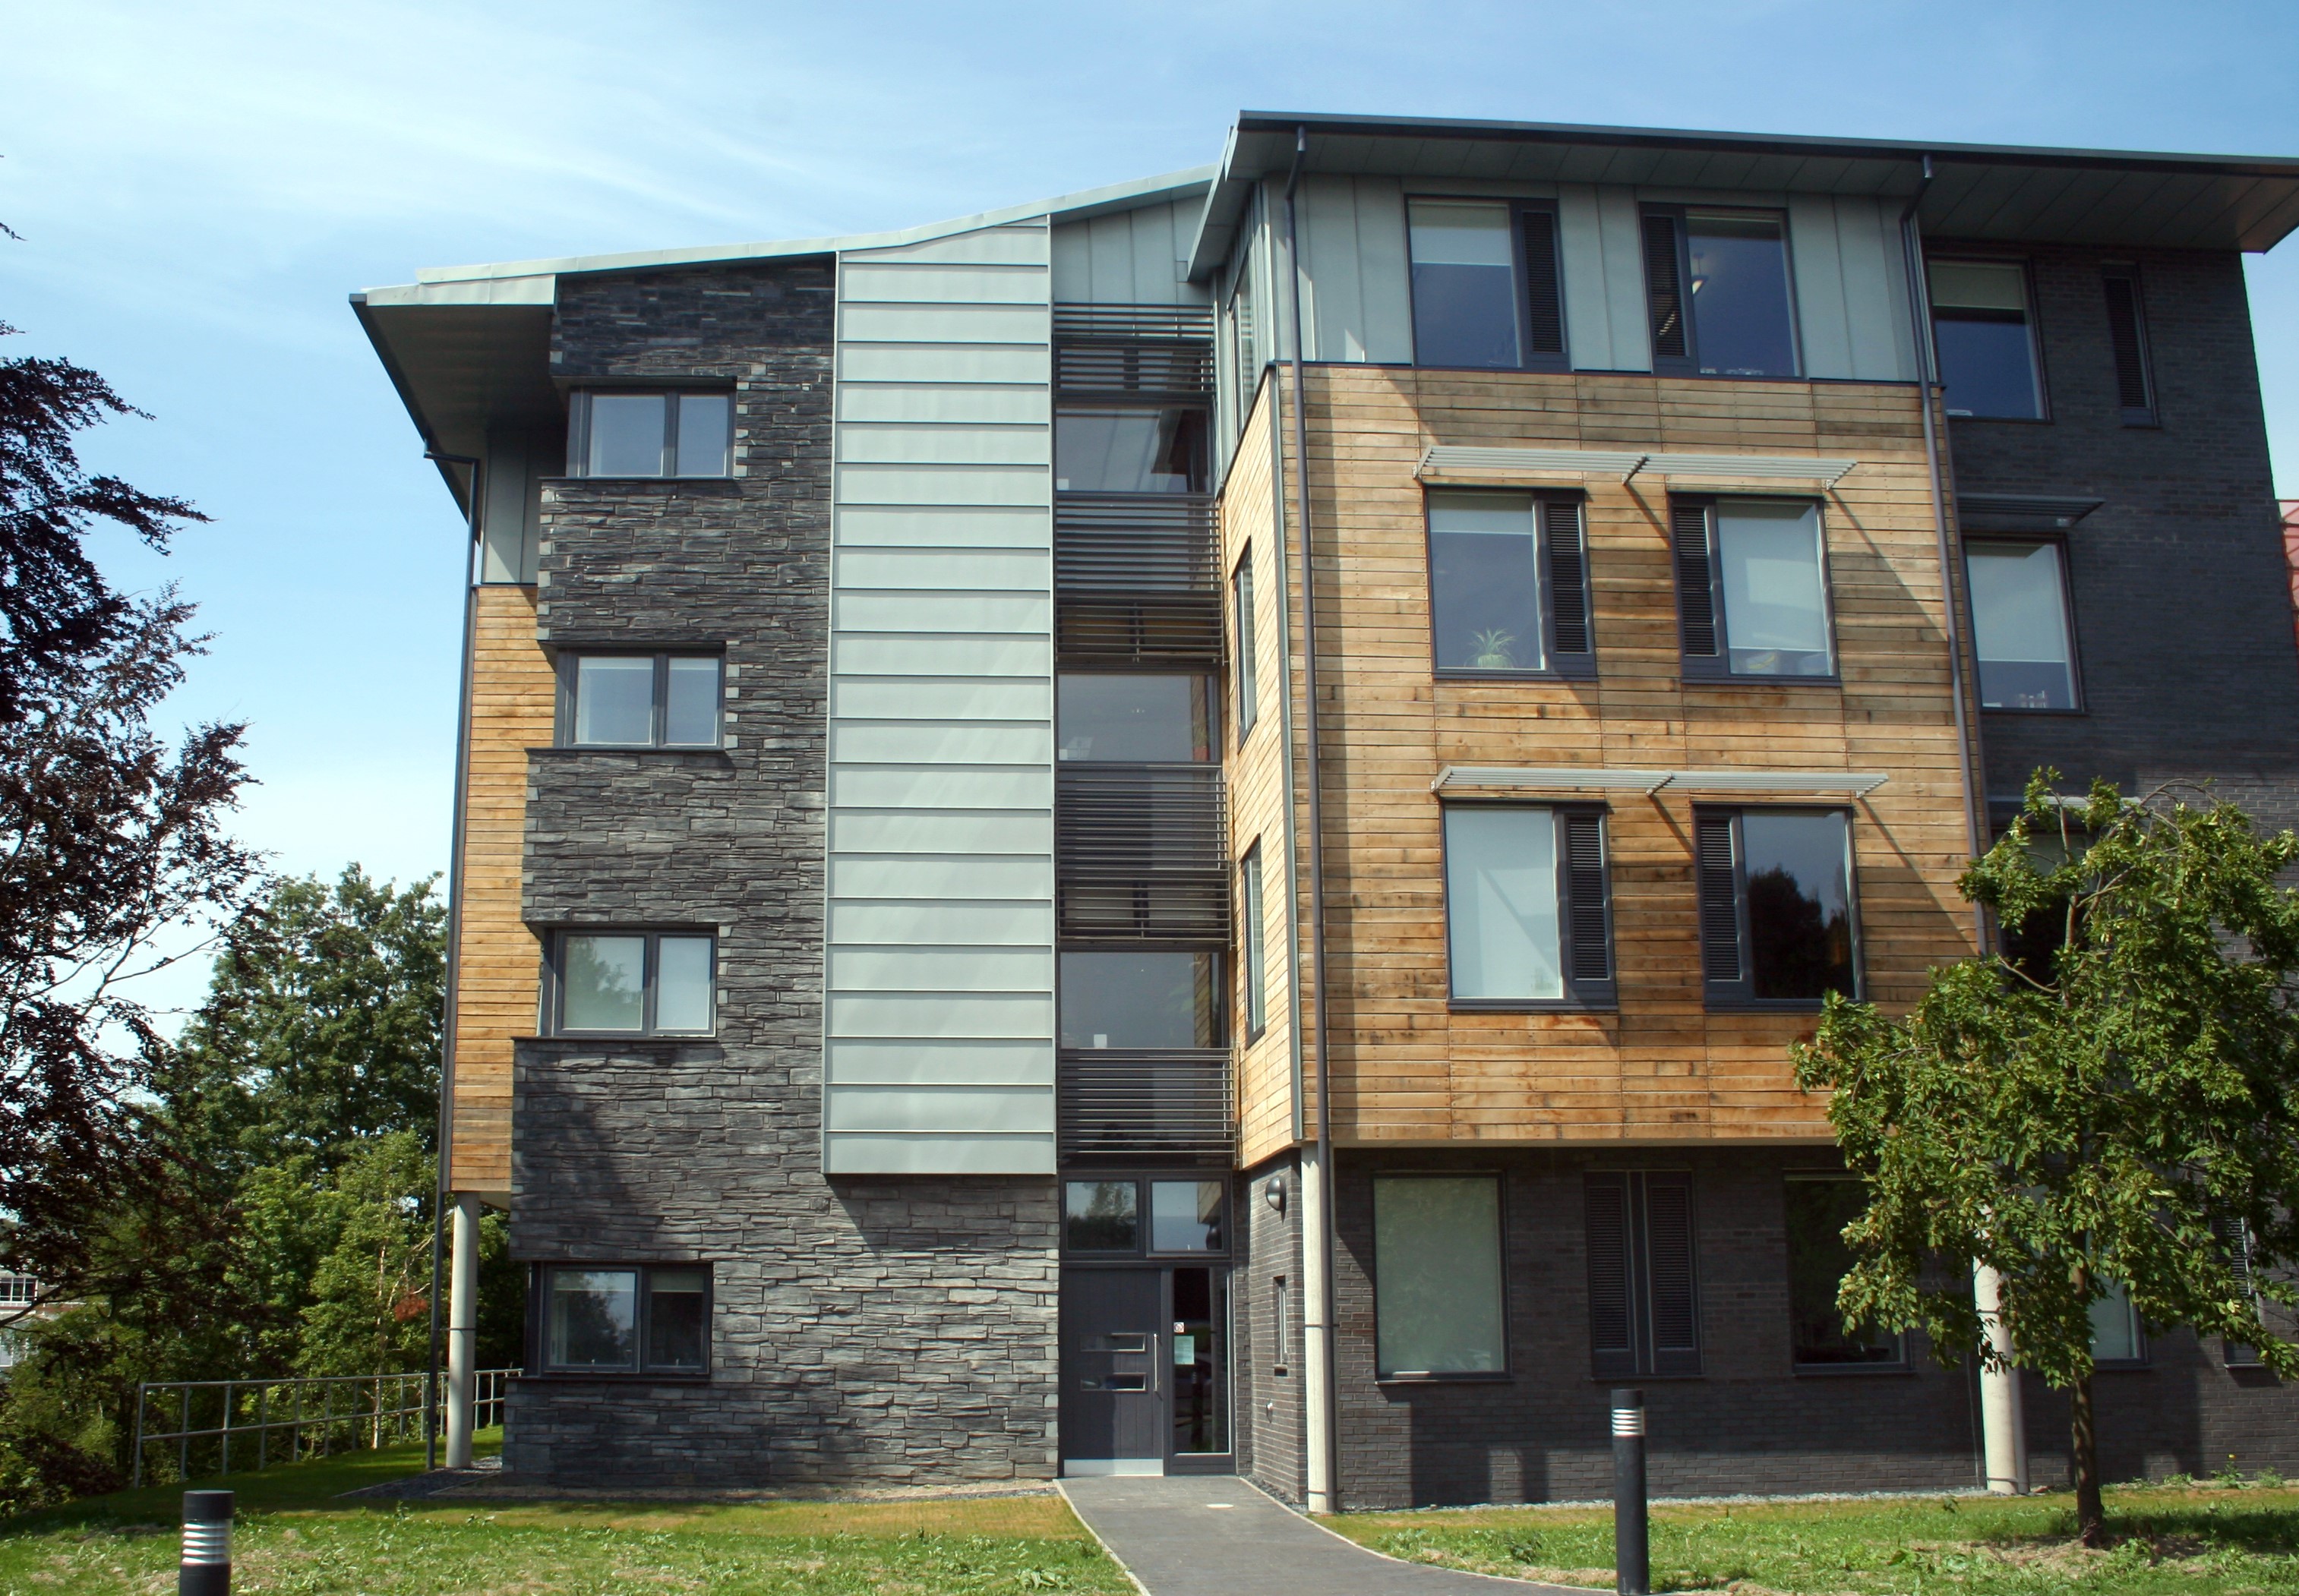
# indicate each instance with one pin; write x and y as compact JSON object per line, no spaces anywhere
{"x":1493,"y":651}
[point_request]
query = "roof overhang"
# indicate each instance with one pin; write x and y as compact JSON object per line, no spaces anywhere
{"x":1979,"y":191}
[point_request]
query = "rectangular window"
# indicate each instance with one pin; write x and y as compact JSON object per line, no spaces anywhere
{"x":1437,"y":1275}
{"x":1135,"y":718}
{"x":1101,"y":1216}
{"x":1508,"y":585}
{"x":1251,"y":943}
{"x":1776,"y":909}
{"x":1249,"y":659}
{"x":1819,"y":1208}
{"x":634,"y":983}
{"x":1527,"y":915}
{"x":2127,"y":332}
{"x":1163,"y":1000}
{"x":1106,"y":1214}
{"x":1752,"y":587}
{"x":1984,"y":339}
{"x":640,"y":701}
{"x":1119,"y":450}
{"x":1185,"y":1216}
{"x":1280,"y":1313}
{"x":2117,"y":1335}
{"x":652,"y":1318}
{"x":2020,"y":625}
{"x":1644,"y":1302}
{"x":1245,"y":340}
{"x":651,"y":434}
{"x":1718,"y":292}
{"x":1486,"y":285}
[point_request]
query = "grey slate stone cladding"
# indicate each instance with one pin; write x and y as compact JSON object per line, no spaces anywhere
{"x":2180,"y":593}
{"x":1750,"y":1423}
{"x":864,"y":1331}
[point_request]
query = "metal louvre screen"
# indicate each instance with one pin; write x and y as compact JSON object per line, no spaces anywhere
{"x":1612,"y":1342}
{"x":1568,"y":575}
{"x":1668,"y":1246}
{"x":1584,"y":876}
{"x":1545,"y":314}
{"x":1163,"y":351}
{"x":1662,"y":286}
{"x":2123,"y":327}
{"x":1134,"y":544}
{"x":1122,"y":1102}
{"x":1142,"y":851}
{"x":1720,"y":912}
{"x":1696,"y":593}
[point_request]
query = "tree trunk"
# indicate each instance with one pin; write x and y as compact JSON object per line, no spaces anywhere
{"x":2083,"y":1447}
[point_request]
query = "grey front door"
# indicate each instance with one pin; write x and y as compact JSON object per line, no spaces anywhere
{"x":1113,"y":1412}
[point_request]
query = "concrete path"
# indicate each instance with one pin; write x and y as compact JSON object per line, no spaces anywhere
{"x":1215,"y":1535}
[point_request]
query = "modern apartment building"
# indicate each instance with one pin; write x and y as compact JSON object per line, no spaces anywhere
{"x":1184,"y":828}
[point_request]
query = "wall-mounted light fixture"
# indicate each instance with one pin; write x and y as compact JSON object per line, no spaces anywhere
{"x":1273,"y":1193}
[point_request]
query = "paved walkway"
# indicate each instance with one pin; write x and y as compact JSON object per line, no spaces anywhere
{"x":1213,"y":1535}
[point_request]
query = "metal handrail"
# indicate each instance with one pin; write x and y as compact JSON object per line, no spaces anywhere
{"x":381,"y":1409}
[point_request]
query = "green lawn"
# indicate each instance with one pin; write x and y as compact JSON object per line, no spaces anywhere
{"x":296,"y":1536}
{"x":2171,"y":1541}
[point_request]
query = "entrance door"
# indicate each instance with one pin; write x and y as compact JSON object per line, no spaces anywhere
{"x":1112,"y":1408}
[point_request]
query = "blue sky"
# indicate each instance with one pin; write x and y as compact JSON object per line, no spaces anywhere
{"x":198,"y":188}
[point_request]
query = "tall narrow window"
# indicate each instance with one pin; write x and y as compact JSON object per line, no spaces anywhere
{"x":1246,"y":350}
{"x":1526,"y":905}
{"x":2127,"y":332}
{"x":1248,"y":687}
{"x":1776,"y":913}
{"x":2020,"y":625}
{"x":638,"y":983}
{"x":1983,"y":336}
{"x":1281,"y":1325}
{"x":2116,"y":1333}
{"x":652,"y":433}
{"x":1465,"y":301}
{"x":1644,"y":1301}
{"x":1752,"y":584}
{"x":1252,"y":947}
{"x":1438,"y":1277}
{"x":1508,"y":584}
{"x":1718,"y":290}
{"x":1818,"y":1208}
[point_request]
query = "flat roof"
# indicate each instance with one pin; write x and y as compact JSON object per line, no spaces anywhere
{"x":2132,"y":198}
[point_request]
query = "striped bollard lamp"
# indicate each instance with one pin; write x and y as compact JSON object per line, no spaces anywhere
{"x":206,"y":1568}
{"x":1631,"y":1546}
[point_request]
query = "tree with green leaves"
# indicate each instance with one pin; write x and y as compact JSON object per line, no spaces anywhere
{"x":2117,"y":1106}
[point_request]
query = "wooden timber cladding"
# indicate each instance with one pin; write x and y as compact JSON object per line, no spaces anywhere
{"x":1407,"y":1068}
{"x":498,"y":964}
{"x":1257,"y":790}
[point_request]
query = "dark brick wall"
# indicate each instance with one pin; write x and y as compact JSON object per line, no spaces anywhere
{"x":2180,"y":593}
{"x":1750,"y":1423}
{"x":1269,"y":1415}
{"x":864,"y":1330}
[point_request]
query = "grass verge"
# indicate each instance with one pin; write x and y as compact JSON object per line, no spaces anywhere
{"x":2169,"y":1541}
{"x":296,"y":1535}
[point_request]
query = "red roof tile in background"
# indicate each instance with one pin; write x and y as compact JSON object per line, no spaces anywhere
{"x":2291,"y":552}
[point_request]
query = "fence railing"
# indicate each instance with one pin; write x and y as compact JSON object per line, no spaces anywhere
{"x":285,"y":1421}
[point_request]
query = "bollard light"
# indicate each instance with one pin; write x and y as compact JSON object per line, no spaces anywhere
{"x":206,"y":1568}
{"x":1632,"y":1545}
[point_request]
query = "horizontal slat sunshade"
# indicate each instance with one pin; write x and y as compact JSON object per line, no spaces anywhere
{"x":1097,"y":323}
{"x":1124,"y":1101}
{"x":1585,"y":778}
{"x":1462,"y":459}
{"x":1136,"y":542}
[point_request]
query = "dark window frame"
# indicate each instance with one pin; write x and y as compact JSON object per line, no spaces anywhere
{"x":1642,"y":1356}
{"x":1521,"y":282}
{"x":1558,"y":665}
{"x":1206,"y":692}
{"x":1581,"y":994}
{"x":1507,"y":1372}
{"x":1280,"y":1313}
{"x":1142,"y":1251}
{"x":1950,"y":254}
{"x":1687,"y":364}
{"x":1200,"y":443}
{"x":2060,"y":542}
{"x":2143,"y":1344}
{"x":554,"y":989}
{"x":1247,"y":643}
{"x":1717,"y":667}
{"x":538,"y":1327}
{"x":1739,"y":996}
{"x":578,"y":429}
{"x":1899,"y":1364}
{"x":568,"y":668}
{"x":1252,"y":936}
{"x":2142,"y":353}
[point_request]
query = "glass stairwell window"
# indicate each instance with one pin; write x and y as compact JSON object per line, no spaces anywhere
{"x":1120,"y":450}
{"x":1158,"y":999}
{"x":1135,"y":718}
